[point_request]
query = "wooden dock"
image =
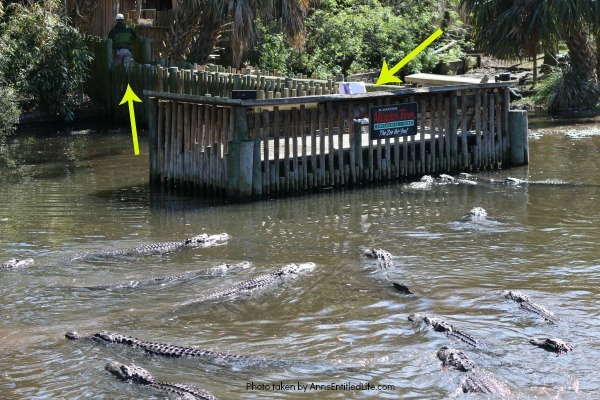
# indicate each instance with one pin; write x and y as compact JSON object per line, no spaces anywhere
{"x":247,"y":148}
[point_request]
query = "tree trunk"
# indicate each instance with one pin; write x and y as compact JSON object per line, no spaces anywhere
{"x":580,"y":53}
{"x":81,"y":14}
{"x":598,"y":56}
{"x":193,"y":36}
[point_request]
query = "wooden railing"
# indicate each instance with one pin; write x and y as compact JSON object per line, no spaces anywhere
{"x":246,"y":148}
{"x":108,"y":81}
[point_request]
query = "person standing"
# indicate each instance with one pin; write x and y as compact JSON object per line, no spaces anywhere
{"x":122,"y":41}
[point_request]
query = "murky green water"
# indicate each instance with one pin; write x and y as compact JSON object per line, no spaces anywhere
{"x":83,"y":190}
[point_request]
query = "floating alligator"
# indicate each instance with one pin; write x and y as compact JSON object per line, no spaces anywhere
{"x":525,"y":182}
{"x":385,"y":262}
{"x":428,"y":181}
{"x":556,"y":345}
{"x":384,"y":258}
{"x":441,"y":326}
{"x":476,"y":381}
{"x":133,"y":373}
{"x":527,"y":305}
{"x":162,"y":349}
{"x":456,"y":359}
{"x":203,"y":240}
{"x":15,"y":263}
{"x":251,"y":285}
{"x":475,"y":214}
{"x":219,"y":269}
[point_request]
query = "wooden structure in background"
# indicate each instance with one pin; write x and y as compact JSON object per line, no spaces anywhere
{"x":247,"y":148}
{"x":153,"y":21}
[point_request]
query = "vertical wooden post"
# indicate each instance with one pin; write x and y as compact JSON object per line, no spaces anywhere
{"x":453,"y":121}
{"x":152,"y":104}
{"x":107,"y":75}
{"x":240,"y":159}
{"x":519,"y":141}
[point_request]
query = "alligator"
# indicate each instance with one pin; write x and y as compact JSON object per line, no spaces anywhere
{"x":385,"y":262}
{"x":527,"y":305}
{"x":15,"y":263}
{"x":203,"y":240}
{"x":475,"y":214}
{"x":133,"y":373}
{"x":219,"y":269}
{"x":476,"y":380}
{"x":441,"y":326}
{"x":462,"y":178}
{"x":383,"y":258}
{"x":251,"y":285}
{"x":556,"y":345}
{"x":525,"y":182}
{"x":456,"y":359}
{"x":162,"y":349}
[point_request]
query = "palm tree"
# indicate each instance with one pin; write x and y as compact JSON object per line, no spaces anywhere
{"x":507,"y":28}
{"x":201,"y":24}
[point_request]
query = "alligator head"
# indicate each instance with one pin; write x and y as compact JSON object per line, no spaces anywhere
{"x":73,"y":335}
{"x":293,"y":269}
{"x":514,"y":181}
{"x":378,"y":254}
{"x":130,"y":373}
{"x":15,"y":263}
{"x":204,"y":238}
{"x":477,"y":212}
{"x":455,"y":358}
{"x":516,"y":296}
{"x":416,"y":317}
{"x":552,"y":344}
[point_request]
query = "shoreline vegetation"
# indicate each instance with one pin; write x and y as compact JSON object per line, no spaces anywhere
{"x":44,"y":59}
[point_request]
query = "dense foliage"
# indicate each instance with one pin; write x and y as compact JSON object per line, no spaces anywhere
{"x":507,"y":28}
{"x":9,"y":115}
{"x":349,"y":37}
{"x":42,"y":57}
{"x":565,"y":89}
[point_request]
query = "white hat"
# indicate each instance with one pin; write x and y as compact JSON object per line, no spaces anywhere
{"x":120,"y":16}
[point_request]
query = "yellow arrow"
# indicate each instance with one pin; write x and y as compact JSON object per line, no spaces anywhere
{"x":387,"y":75}
{"x":130,"y":97}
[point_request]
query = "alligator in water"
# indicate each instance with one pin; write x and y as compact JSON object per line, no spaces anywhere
{"x":162,"y":349}
{"x":15,"y":263}
{"x":384,"y":258}
{"x":476,"y":380}
{"x":254,"y":284}
{"x":527,"y":305}
{"x":475,"y":214}
{"x":509,"y":181}
{"x":203,"y":240}
{"x":456,"y":359}
{"x":164,"y":280}
{"x":385,"y":262}
{"x":133,"y":373}
{"x":556,"y":345}
{"x":441,"y":326}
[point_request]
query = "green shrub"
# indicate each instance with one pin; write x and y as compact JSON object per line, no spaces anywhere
{"x":274,"y":51}
{"x":42,"y":57}
{"x":345,"y":37}
{"x":565,"y":88}
{"x":10,"y":111}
